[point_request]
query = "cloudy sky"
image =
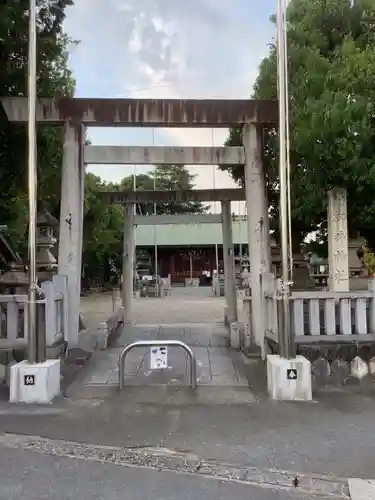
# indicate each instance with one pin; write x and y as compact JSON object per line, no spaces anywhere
{"x":167,"y":48}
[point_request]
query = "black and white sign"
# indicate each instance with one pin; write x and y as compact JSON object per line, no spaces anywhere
{"x":159,"y":358}
{"x":291,"y":374}
{"x":29,"y":380}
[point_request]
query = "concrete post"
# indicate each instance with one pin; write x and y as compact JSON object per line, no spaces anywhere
{"x":229,"y":268}
{"x":338,"y":241}
{"x":257,"y":224}
{"x":71,"y":224}
{"x":128,"y":262}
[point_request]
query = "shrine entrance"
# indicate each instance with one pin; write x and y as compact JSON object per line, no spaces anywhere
{"x":218,"y":365}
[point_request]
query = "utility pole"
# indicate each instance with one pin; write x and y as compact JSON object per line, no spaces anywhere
{"x":287,"y":344}
{"x":32,"y":186}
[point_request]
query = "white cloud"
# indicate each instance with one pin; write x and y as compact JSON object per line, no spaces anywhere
{"x":171,"y":49}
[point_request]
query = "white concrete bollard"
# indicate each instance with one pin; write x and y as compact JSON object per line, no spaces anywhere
{"x":289,"y":379}
{"x":35,"y":383}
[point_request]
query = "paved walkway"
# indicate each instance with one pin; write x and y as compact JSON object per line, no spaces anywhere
{"x":184,"y":305}
{"x":190,"y":315}
{"x":217,"y":367}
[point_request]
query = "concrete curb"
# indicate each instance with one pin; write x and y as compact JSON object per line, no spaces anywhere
{"x":79,"y":360}
{"x":76,"y":376}
{"x":361,"y":489}
{"x":114,"y":326}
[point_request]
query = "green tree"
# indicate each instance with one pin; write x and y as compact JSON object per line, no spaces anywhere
{"x":102,"y":229}
{"x":53,"y":79}
{"x":143,"y":182}
{"x":165,"y":178}
{"x":332,"y":111}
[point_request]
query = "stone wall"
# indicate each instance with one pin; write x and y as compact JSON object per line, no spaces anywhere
{"x":342,"y":365}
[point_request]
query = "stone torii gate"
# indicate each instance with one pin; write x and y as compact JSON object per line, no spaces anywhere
{"x":198,"y":156}
{"x":225,"y":196}
{"x":77,"y":114}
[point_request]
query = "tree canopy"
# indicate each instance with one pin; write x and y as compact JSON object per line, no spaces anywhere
{"x":53,"y":78}
{"x":331,"y":62}
{"x":103,"y":223}
{"x":165,"y":178}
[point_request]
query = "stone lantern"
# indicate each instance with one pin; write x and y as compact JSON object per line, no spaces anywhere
{"x":45,"y":241}
{"x":16,"y":280}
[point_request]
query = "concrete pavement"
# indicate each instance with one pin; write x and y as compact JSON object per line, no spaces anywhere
{"x":221,"y":372}
{"x":184,"y":305}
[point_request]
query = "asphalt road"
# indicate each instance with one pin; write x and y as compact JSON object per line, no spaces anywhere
{"x":27,"y":475}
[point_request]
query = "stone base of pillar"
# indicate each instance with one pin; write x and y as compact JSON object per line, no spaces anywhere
{"x":289,"y":379}
{"x":102,"y":337}
{"x":235,"y":334}
{"x":35,"y":383}
{"x":226,"y":317}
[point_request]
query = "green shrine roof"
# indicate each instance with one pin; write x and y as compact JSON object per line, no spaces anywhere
{"x":188,"y":234}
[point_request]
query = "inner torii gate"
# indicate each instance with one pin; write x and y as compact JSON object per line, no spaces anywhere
{"x":77,"y":114}
{"x":198,"y":156}
{"x":225,"y":196}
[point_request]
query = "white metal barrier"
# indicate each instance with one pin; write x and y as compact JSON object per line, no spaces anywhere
{"x":158,"y":343}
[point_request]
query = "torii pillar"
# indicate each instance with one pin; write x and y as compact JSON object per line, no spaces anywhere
{"x":257,"y":224}
{"x":128,"y":262}
{"x":229,"y":267}
{"x":71,"y":223}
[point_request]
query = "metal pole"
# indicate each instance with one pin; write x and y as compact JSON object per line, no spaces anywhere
{"x":285,"y":332}
{"x":214,"y":207}
{"x":287,"y":144}
{"x":32,"y":185}
{"x":134,"y":241}
{"x":155,"y":231}
{"x":240,"y":252}
{"x":155,"y":242}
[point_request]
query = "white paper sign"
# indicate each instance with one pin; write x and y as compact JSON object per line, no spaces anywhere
{"x":158,"y":358}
